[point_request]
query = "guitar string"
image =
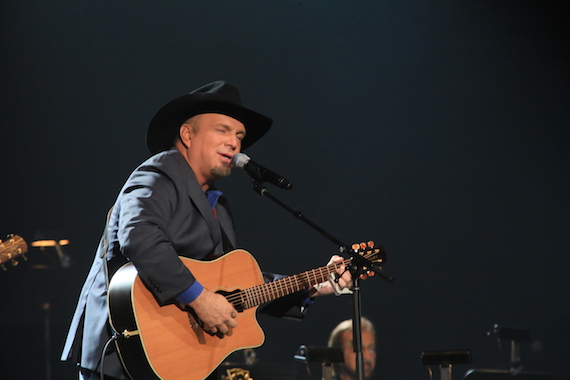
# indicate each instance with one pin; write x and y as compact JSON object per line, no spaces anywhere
{"x":262,"y":293}
{"x":275,"y":289}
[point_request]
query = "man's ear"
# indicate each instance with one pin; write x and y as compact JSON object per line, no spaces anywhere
{"x":185,"y":134}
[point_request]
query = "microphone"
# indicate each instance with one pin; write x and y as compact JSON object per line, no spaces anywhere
{"x":259,"y":173}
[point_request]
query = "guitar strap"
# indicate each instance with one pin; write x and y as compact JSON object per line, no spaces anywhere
{"x":105,"y":243}
{"x":226,"y":243}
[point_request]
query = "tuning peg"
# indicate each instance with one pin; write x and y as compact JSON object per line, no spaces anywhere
{"x":367,"y":274}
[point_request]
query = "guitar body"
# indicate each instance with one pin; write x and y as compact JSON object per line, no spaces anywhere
{"x":162,"y":343}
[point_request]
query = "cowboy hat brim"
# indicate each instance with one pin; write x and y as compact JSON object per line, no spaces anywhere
{"x":164,"y":126}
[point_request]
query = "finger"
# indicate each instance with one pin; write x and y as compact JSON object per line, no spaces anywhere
{"x":345,"y":282}
{"x":335,"y":259}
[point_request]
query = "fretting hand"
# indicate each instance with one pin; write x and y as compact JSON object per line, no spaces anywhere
{"x":343,"y":280}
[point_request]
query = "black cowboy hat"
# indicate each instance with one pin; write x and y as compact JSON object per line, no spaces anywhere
{"x":216,"y":97}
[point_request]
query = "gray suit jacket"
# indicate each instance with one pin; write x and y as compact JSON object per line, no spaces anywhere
{"x":160,"y":213}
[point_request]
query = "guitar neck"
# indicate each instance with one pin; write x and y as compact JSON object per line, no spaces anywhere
{"x":270,"y":291}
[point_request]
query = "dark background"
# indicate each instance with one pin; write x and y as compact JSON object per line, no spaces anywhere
{"x":437,"y":129}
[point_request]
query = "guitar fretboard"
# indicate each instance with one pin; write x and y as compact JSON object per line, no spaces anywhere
{"x":270,"y":291}
{"x":257,"y":295}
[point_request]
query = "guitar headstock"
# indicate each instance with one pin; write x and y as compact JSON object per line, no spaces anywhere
{"x":11,"y":249}
{"x":377,"y":255}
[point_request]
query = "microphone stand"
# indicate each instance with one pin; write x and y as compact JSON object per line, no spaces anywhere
{"x":356,"y":268}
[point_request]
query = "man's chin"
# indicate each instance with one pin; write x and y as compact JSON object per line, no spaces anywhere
{"x":221,"y":171}
{"x":368,"y":371}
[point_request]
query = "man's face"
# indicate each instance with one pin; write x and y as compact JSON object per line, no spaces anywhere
{"x":214,"y":140}
{"x":368,"y":355}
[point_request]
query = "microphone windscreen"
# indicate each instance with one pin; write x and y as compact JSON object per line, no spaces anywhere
{"x":240,"y":160}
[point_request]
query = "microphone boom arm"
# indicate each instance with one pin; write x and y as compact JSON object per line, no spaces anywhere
{"x":356,"y":267}
{"x":343,"y":248}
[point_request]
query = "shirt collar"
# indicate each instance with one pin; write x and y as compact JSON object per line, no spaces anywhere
{"x":213,"y":196}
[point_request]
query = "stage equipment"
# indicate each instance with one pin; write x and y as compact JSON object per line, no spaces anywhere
{"x":260,"y":173}
{"x":504,"y":374}
{"x":325,"y":355}
{"x":319,"y":354}
{"x":358,"y":268}
{"x":237,"y":374}
{"x":445,"y":359}
{"x":43,"y":243}
{"x":515,"y":336}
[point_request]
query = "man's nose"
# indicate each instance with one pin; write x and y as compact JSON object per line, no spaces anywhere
{"x":234,"y":142}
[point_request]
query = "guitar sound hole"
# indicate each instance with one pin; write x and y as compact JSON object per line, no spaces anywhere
{"x":234,"y":298}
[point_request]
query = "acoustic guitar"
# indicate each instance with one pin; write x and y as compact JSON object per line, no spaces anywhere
{"x":166,"y":342}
